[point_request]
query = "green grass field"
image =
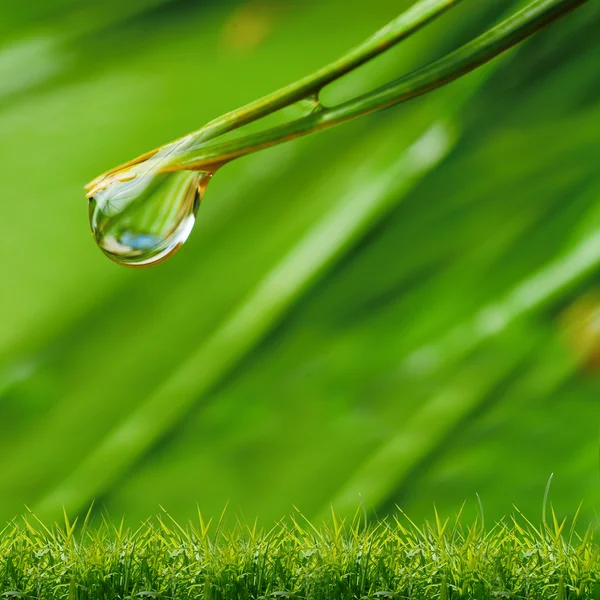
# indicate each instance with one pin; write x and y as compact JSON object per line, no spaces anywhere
{"x":392,"y":559}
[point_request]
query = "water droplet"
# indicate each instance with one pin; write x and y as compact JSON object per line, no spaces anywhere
{"x":140,"y":220}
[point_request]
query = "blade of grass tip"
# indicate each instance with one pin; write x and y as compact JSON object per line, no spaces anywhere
{"x":481,"y":513}
{"x":545,"y":502}
{"x":574,"y":522}
{"x":369,"y":196}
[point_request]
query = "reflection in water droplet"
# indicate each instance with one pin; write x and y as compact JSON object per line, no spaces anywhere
{"x":141,"y":220}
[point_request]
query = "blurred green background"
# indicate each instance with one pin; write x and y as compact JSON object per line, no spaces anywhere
{"x":433,"y":329}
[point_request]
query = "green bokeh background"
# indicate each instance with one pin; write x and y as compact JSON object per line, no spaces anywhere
{"x":435,"y":356}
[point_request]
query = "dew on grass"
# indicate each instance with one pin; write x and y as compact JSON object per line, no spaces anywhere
{"x":139,"y":220}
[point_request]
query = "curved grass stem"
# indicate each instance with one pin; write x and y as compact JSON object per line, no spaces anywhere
{"x":403,"y":26}
{"x":467,"y":58}
{"x":196,"y":151}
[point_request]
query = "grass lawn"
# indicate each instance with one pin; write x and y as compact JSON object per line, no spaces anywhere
{"x":393,"y":558}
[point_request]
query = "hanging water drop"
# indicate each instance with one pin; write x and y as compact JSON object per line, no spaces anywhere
{"x":140,"y":219}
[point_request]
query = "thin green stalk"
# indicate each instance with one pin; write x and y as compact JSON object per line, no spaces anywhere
{"x":416,"y":17}
{"x":403,"y":26}
{"x":191,"y":151}
{"x":467,"y":58}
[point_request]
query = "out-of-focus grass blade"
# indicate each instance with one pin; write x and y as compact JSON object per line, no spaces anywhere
{"x":421,"y":433}
{"x":419,"y":436}
{"x":521,"y":427}
{"x":42,"y":51}
{"x":542,"y":287}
